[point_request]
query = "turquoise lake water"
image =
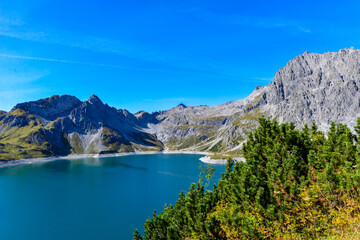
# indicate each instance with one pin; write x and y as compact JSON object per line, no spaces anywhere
{"x":91,"y":198}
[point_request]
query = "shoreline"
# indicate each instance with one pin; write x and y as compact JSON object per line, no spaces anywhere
{"x":207,"y":159}
{"x":13,"y":163}
{"x":204,"y":159}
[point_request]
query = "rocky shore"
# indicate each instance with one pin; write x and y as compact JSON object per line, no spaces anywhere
{"x":207,"y":159}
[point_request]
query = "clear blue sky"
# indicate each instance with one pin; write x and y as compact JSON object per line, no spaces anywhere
{"x":153,"y":55}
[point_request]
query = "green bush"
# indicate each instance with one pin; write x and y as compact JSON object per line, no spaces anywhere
{"x":295,"y":184}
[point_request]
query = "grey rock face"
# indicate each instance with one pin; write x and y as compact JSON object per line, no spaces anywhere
{"x":50,"y":108}
{"x":317,"y":88}
{"x":312,"y":87}
{"x":145,"y":118}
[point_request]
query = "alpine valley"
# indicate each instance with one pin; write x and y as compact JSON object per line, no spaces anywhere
{"x":312,"y":87}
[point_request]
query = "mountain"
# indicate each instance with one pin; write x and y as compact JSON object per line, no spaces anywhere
{"x":61,"y":125}
{"x":311,"y":87}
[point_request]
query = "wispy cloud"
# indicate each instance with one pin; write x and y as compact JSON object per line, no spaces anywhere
{"x":183,"y":72}
{"x":264,"y":79}
{"x":87,"y":63}
{"x":18,"y":93}
{"x":66,"y":61}
{"x":12,"y":25}
{"x":252,"y":21}
{"x":16,"y":80}
{"x":17,"y":85}
{"x":91,"y":43}
{"x":15,"y":27}
{"x":11,"y":76}
{"x":133,"y":50}
{"x":9,"y":98}
{"x":165,"y":100}
{"x":6,"y":21}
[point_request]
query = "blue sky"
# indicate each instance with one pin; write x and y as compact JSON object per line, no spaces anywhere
{"x":153,"y":55}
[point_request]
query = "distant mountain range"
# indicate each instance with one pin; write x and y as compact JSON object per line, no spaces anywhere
{"x":311,"y":87}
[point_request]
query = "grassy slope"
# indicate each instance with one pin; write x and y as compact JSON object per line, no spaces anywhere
{"x":15,"y":143}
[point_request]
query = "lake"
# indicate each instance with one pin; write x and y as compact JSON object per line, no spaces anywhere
{"x":91,"y":198}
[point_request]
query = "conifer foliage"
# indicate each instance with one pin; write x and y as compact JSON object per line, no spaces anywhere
{"x":295,"y":184}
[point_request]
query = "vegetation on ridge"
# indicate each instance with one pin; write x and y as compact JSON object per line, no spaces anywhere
{"x":295,"y":184}
{"x":17,"y":143}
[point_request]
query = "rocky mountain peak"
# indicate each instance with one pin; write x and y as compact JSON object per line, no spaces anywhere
{"x":313,"y":70}
{"x":144,"y":118}
{"x":140,"y":113}
{"x":317,"y":88}
{"x":50,"y":108}
{"x":348,"y":50}
{"x":181,"y":106}
{"x":94,"y":99}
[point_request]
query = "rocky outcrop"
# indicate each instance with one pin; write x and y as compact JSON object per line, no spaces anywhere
{"x":312,"y":87}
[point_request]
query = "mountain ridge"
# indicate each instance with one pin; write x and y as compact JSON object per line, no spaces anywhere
{"x":310,"y":88}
